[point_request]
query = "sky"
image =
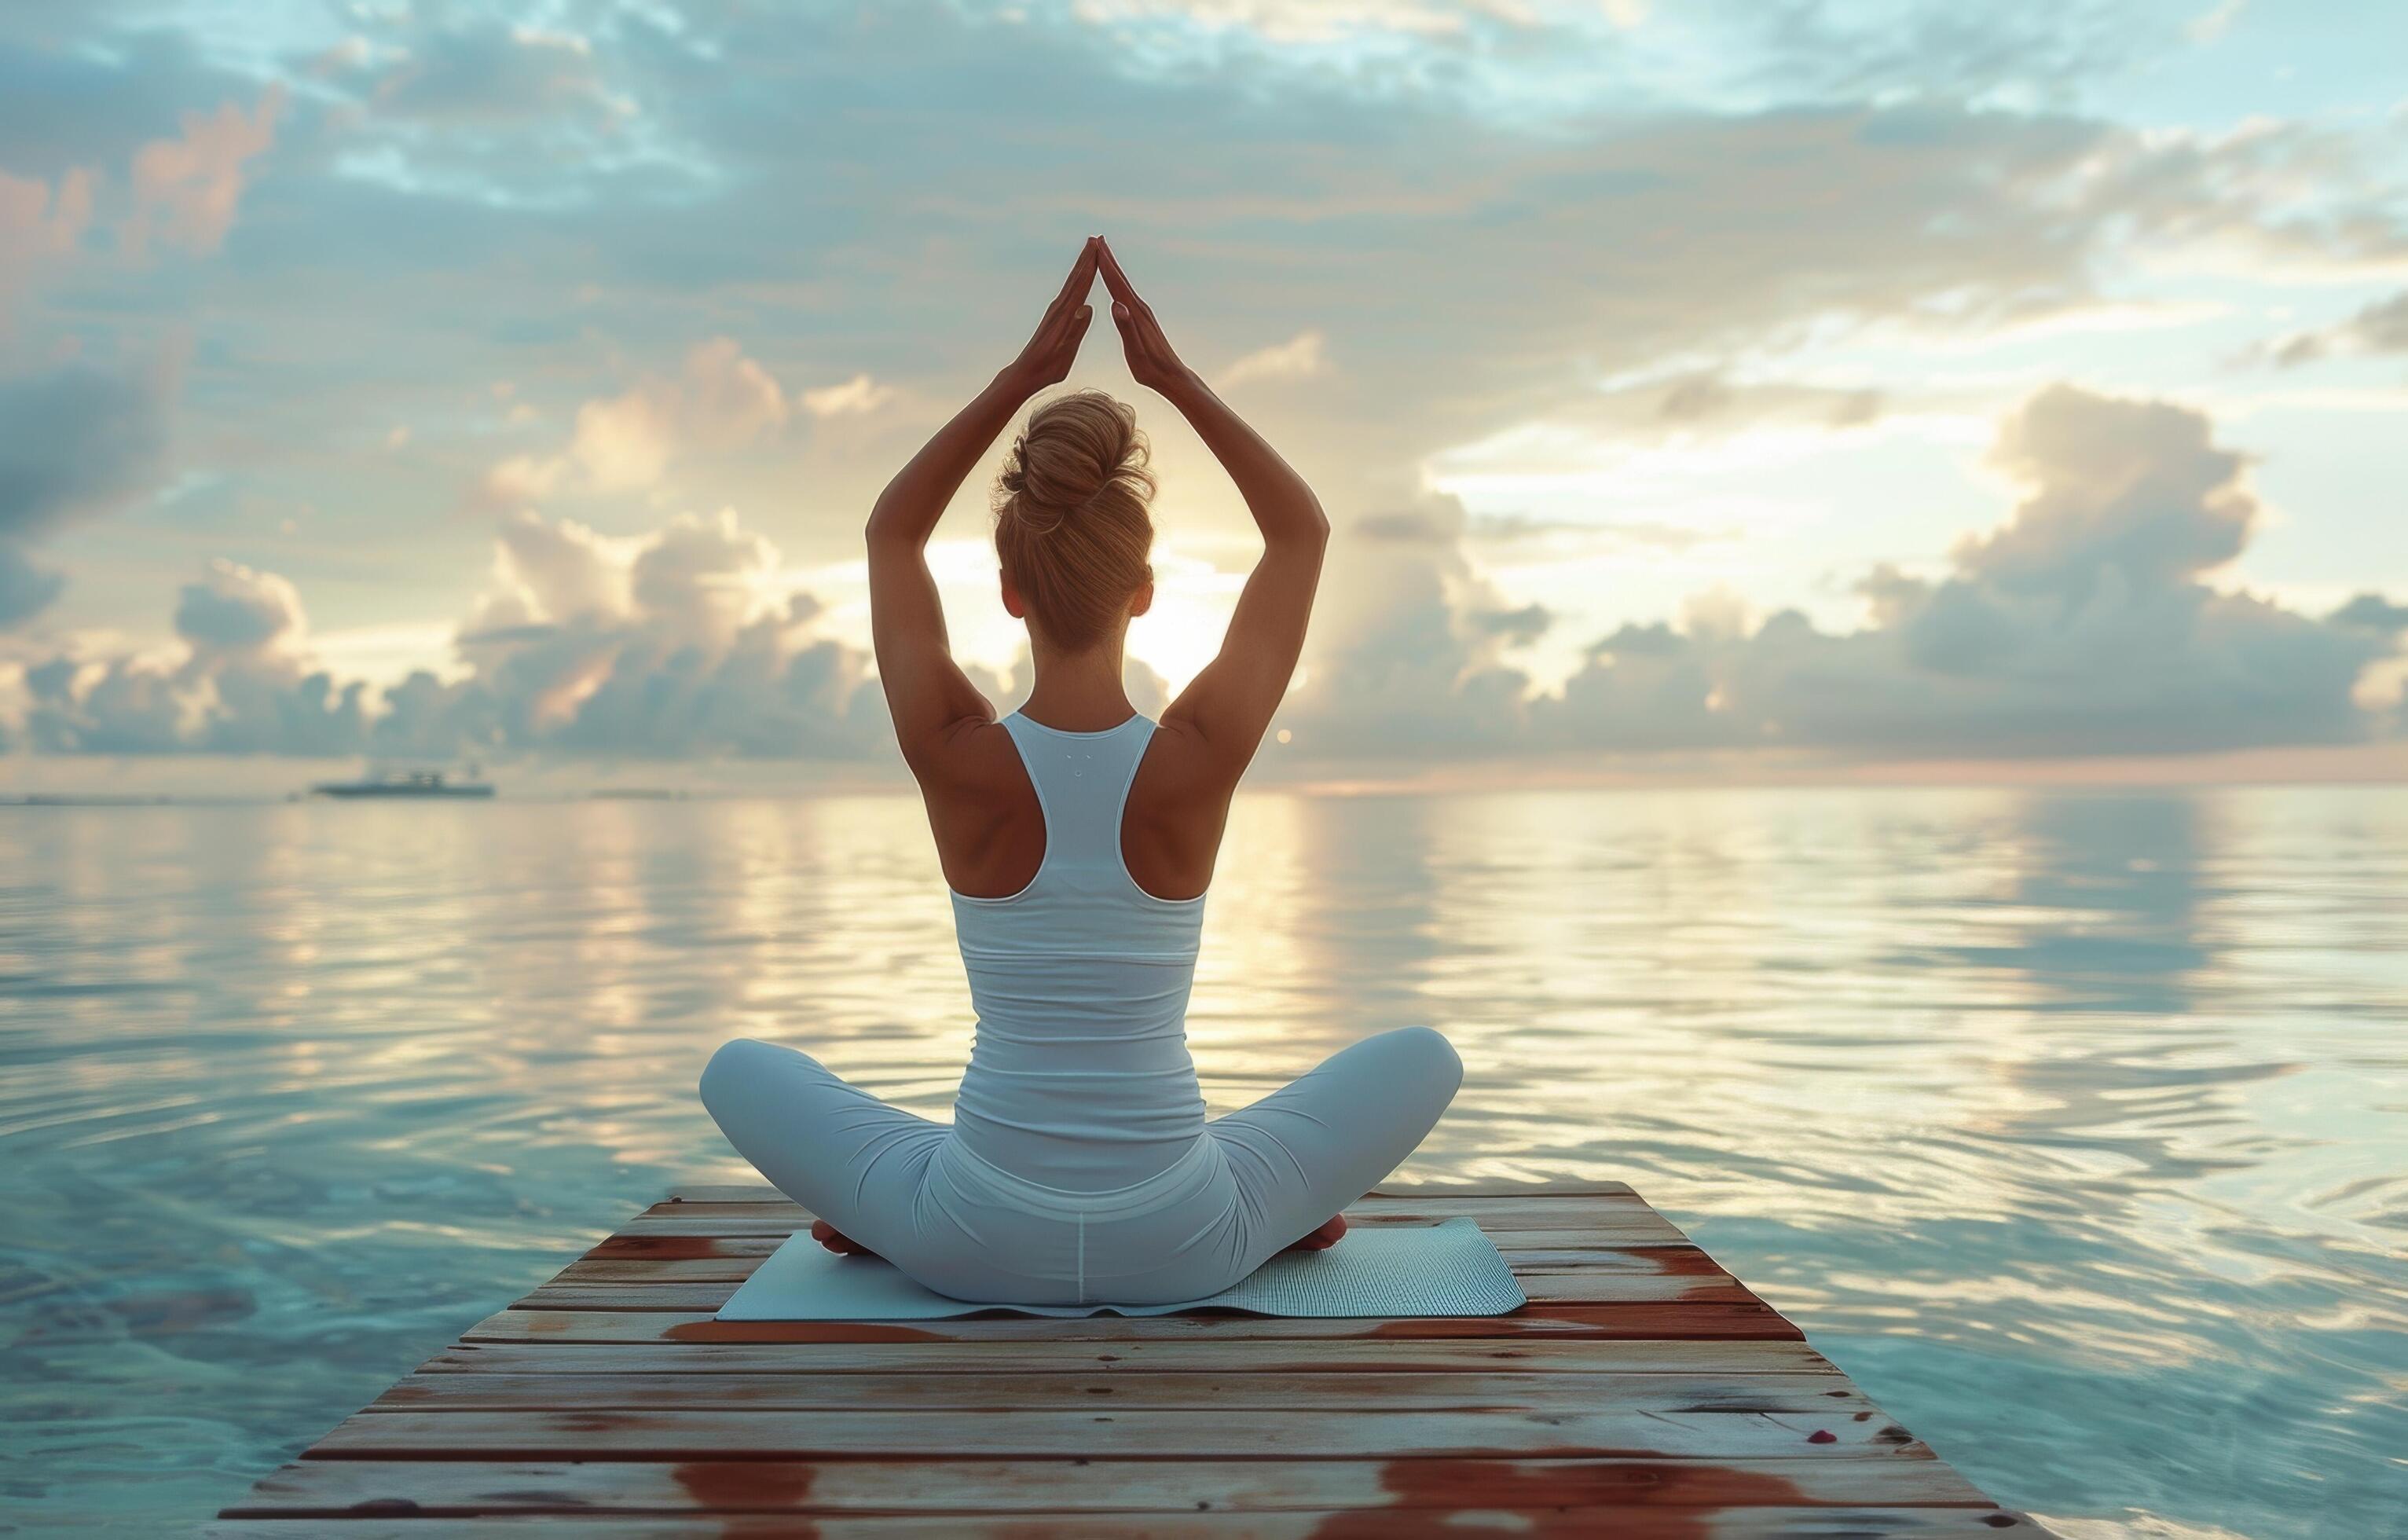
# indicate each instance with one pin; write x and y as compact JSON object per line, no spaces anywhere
{"x":1719,"y":386}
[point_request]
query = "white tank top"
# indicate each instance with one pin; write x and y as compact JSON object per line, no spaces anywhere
{"x":1079,"y":1079}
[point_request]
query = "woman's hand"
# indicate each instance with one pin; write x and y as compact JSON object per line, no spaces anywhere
{"x":925,"y":689}
{"x":1047,"y":359}
{"x":1224,"y":709}
{"x":1151,"y":360}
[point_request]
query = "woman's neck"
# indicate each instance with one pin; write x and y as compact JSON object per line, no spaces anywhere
{"x":1079,"y":691}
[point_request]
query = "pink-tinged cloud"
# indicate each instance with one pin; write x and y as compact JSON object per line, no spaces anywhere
{"x":40,"y":224}
{"x":187,"y":190}
{"x":721,"y":399}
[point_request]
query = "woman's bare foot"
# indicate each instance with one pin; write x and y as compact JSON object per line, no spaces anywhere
{"x":842,"y":1245}
{"x":1324,"y":1238}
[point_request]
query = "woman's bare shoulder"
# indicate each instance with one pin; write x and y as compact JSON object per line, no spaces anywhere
{"x":1179,"y":761}
{"x":983,"y":809}
{"x":973,"y":754}
{"x":1178,"y":804}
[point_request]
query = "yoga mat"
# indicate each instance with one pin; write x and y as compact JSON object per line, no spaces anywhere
{"x":1448,"y":1269}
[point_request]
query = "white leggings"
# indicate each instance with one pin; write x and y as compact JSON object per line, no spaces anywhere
{"x":1257,"y":1179}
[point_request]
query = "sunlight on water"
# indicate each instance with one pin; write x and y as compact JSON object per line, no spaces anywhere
{"x":2074,"y":1126}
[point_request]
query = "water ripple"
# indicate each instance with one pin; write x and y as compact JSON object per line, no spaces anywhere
{"x":2072,"y":1125}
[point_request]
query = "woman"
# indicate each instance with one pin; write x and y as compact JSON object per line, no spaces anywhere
{"x":1078,"y":839}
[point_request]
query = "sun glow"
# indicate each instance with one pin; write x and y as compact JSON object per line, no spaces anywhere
{"x":1181,"y":633}
{"x":1191,"y":602}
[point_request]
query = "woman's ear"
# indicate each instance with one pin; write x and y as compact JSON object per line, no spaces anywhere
{"x":1142,"y":600}
{"x":1012,"y":605}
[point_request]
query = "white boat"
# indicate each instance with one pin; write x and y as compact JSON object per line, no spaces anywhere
{"x":406,"y":784}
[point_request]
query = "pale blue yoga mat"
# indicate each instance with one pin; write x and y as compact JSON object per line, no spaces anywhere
{"x":1448,"y":1269}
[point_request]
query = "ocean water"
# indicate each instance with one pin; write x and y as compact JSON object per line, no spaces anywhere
{"x":2074,"y":1125}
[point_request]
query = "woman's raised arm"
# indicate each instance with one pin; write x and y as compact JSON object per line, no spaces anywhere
{"x":1229,"y":704}
{"x":928,"y":696}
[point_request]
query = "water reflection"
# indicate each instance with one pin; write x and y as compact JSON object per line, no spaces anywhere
{"x":2107,"y":891}
{"x":2073,"y":1124}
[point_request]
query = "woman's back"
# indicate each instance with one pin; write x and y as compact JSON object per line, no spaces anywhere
{"x":1080,"y":1078}
{"x":1079,"y":1165}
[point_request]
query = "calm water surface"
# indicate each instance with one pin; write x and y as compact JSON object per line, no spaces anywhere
{"x":2074,"y":1126}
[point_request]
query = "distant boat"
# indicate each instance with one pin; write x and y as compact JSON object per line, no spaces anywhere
{"x":410,"y":784}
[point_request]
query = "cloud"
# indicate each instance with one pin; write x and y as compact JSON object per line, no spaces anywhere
{"x":1295,"y":21}
{"x":232,"y":609}
{"x":186,"y":190}
{"x":438,"y":103}
{"x":859,"y":395}
{"x":700,"y":578}
{"x":1301,"y":357}
{"x":117,"y":707}
{"x":1650,"y":233}
{"x":1408,"y":655}
{"x":1516,"y":627}
{"x":552,"y":570}
{"x":1550,"y":59}
{"x":41,"y":223}
{"x":487,"y":73}
{"x":1699,"y":404}
{"x":2381,"y":327}
{"x":678,"y":644}
{"x":1727,"y":243}
{"x":2131,"y":488}
{"x":446,"y":237}
{"x":243,"y":686}
{"x":2081,"y":626}
{"x":720,"y":400}
{"x":2210,"y":26}
{"x":75,"y":440}
{"x":673,"y":645}
{"x":2372,"y":612}
{"x":25,"y":589}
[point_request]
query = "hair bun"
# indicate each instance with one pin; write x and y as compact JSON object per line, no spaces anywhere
{"x":1017,"y":501}
{"x":1075,"y":447}
{"x":1073,"y":524}
{"x":1015,"y":471}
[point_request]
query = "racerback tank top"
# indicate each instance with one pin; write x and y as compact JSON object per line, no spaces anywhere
{"x":1079,"y":1079}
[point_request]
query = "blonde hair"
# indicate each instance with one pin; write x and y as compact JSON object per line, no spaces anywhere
{"x":1073,"y":525}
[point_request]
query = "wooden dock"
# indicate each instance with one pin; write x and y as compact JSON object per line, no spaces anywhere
{"x":1642,"y":1393}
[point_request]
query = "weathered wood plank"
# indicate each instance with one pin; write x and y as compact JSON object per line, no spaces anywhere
{"x":606,"y":1265}
{"x":1543,"y":1288}
{"x":1537,"y":1356}
{"x":438,"y":1488}
{"x":1496,"y":1215}
{"x":1686,"y":1260}
{"x":725,"y":1228}
{"x":645,"y":1259}
{"x":1644,"y":1392}
{"x":1569,"y":1186}
{"x":727,"y":1192}
{"x":1132,"y":1434}
{"x":1696,"y":1321}
{"x":1267,"y":1390}
{"x":762,"y":1192}
{"x":1616,"y":1233}
{"x":1664,"y":1271}
{"x":1341,"y":1524}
